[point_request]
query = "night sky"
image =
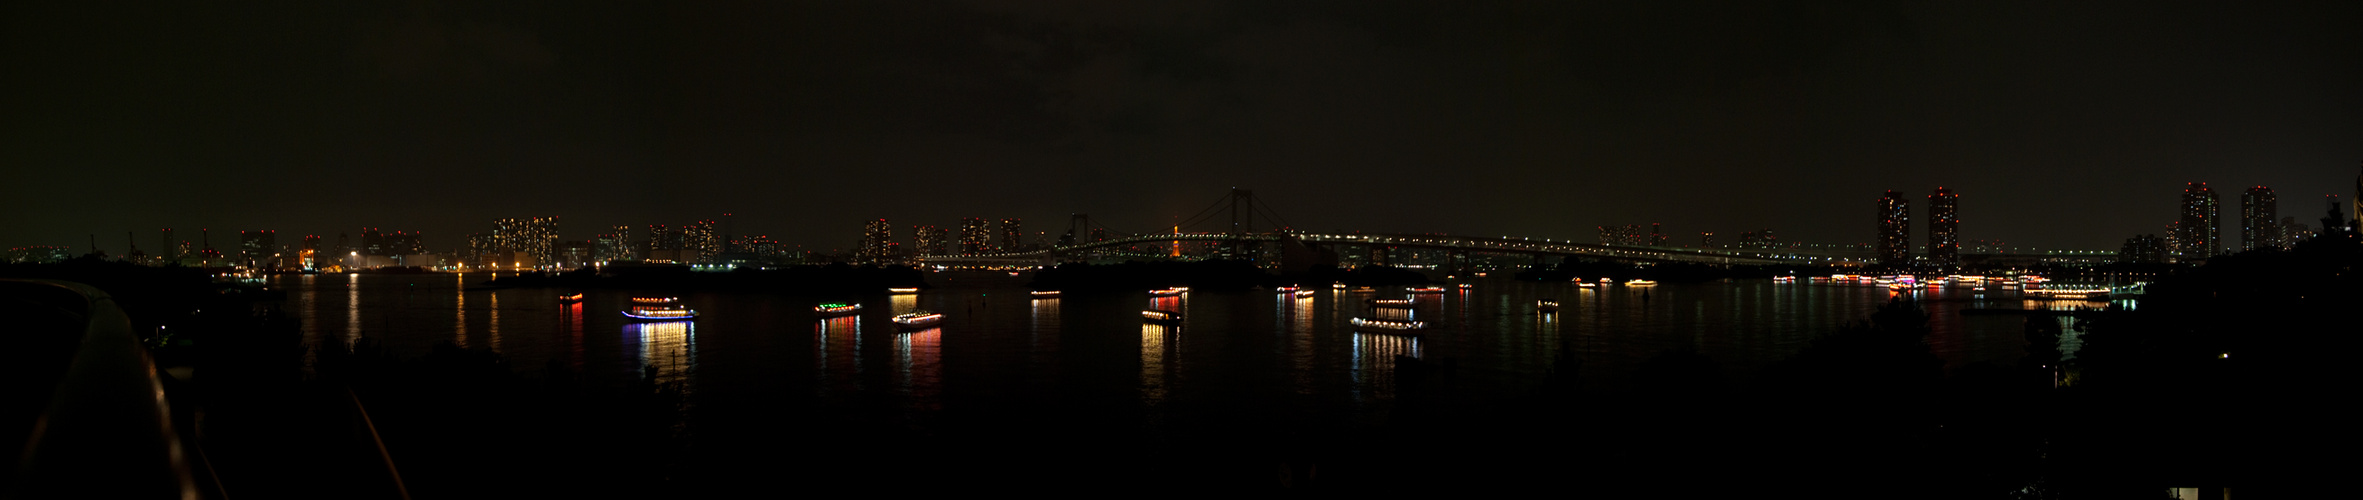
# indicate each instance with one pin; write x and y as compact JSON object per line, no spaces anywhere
{"x":2063,"y":125}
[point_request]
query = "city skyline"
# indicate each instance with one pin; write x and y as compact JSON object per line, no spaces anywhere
{"x":1543,"y":120}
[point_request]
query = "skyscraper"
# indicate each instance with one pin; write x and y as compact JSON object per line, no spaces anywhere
{"x":1013,"y":239}
{"x":1895,"y":229}
{"x":876,"y":236}
{"x":373,"y":242}
{"x":973,"y":235}
{"x":255,"y":248}
{"x":2201,"y":223}
{"x":2259,"y":219}
{"x":535,"y":238}
{"x":700,"y":242}
{"x":1944,"y":228}
{"x":930,"y":240}
{"x":623,"y":243}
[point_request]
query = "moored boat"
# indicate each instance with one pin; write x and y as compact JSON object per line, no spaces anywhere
{"x":1160,"y":316}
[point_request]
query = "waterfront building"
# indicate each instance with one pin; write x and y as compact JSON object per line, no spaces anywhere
{"x":1895,"y":229}
{"x":1944,"y":228}
{"x":622,"y":233}
{"x":700,"y":243}
{"x":2143,"y":249}
{"x":930,"y":240}
{"x":876,"y":243}
{"x":2201,"y":224}
{"x":535,"y":237}
{"x":255,"y":248}
{"x":373,"y":243}
{"x":973,"y":235}
{"x":1013,"y":239}
{"x":2259,"y":214}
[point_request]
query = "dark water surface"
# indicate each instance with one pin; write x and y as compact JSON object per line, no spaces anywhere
{"x":1023,"y":389}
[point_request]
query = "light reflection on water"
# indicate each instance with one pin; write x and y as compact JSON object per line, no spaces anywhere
{"x":669,"y":346}
{"x":920,"y":368}
{"x":837,"y":354}
{"x":1083,"y":346}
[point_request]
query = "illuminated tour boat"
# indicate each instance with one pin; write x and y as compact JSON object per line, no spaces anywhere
{"x":1160,"y":316}
{"x":1390,"y":303}
{"x":1303,"y":293}
{"x":1430,"y":289}
{"x":1337,"y":286}
{"x":659,"y":309}
{"x":1169,"y":292}
{"x":1046,"y":293}
{"x":1465,"y":286}
{"x":1388,"y":326}
{"x":902,"y":291}
{"x":833,"y":309}
{"x":917,"y":319}
{"x":570,"y":299}
{"x":2048,"y":293}
{"x":1640,"y":283}
{"x":1547,"y":305}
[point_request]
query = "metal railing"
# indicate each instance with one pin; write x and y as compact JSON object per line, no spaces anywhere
{"x":107,"y":431}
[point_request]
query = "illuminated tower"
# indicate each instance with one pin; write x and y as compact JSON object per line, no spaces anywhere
{"x":973,"y":235}
{"x":2259,"y":219}
{"x":1895,"y":229}
{"x":623,"y":242}
{"x":1944,"y":229}
{"x":2200,"y":223}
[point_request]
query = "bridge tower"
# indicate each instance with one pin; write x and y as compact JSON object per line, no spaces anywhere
{"x":1242,"y":224}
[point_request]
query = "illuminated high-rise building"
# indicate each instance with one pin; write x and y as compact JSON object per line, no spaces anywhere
{"x":700,"y":242}
{"x":623,"y":243}
{"x":2201,"y":223}
{"x":311,"y":252}
{"x":404,"y":243}
{"x":1013,"y":239}
{"x":2260,"y":216}
{"x":255,"y":248}
{"x":877,"y":238}
{"x":2292,"y":232}
{"x":930,"y":240}
{"x":1895,"y":229}
{"x":373,"y":242}
{"x":1944,"y":228}
{"x":974,"y":236}
{"x":534,"y":239}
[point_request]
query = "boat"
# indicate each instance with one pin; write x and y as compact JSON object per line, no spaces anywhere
{"x":1465,"y":286}
{"x":1391,"y":303}
{"x":1430,"y":289}
{"x":1046,"y":293}
{"x":1160,"y":316}
{"x":2067,"y":294}
{"x":1586,"y":284}
{"x":1640,"y":283}
{"x":1303,"y":293}
{"x":1285,"y":289}
{"x":1169,"y":292}
{"x":570,"y":299}
{"x":917,"y":319}
{"x":834,"y":309}
{"x":1388,"y":326}
{"x":1547,"y":305}
{"x":901,"y":291}
{"x":659,"y":309}
{"x":1013,"y":274}
{"x":1180,"y":289}
{"x":1337,"y":286}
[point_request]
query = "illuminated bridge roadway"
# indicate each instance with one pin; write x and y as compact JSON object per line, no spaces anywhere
{"x":1119,"y":248}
